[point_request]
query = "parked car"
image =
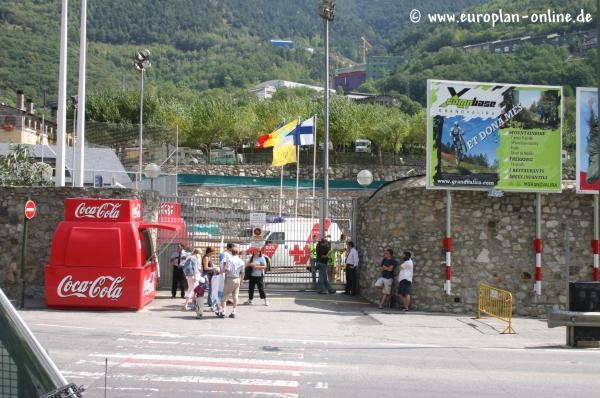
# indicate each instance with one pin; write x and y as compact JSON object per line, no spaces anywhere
{"x":362,"y":145}
{"x":225,"y":155}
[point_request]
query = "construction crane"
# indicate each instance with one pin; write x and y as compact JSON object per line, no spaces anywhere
{"x":366,"y":46}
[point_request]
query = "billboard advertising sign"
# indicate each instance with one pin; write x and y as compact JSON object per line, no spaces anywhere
{"x":588,"y":141}
{"x":490,"y":136}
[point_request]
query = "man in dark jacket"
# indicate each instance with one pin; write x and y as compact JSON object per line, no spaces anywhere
{"x":323,"y":248}
{"x":177,"y":260}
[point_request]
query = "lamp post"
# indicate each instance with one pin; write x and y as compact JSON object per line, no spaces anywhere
{"x":364,"y":178}
{"x":74,"y":104}
{"x":327,"y":12}
{"x":152,"y":171}
{"x":141,"y":63}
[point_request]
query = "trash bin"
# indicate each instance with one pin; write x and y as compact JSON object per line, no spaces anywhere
{"x":584,"y":297}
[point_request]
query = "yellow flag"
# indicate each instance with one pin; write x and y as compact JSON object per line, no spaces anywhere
{"x":284,"y":153}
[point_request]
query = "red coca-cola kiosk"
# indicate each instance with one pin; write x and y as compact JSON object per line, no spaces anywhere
{"x":102,"y":256}
{"x":170,"y":213}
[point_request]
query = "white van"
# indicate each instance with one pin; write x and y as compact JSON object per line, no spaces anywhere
{"x":188,"y":156}
{"x":286,"y":244}
{"x":362,"y":145}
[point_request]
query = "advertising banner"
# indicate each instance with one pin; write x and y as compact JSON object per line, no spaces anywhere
{"x":490,"y":136}
{"x":588,"y":141}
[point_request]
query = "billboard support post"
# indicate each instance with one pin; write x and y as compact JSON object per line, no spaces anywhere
{"x":538,"y":245}
{"x":595,"y":245}
{"x":448,"y":244}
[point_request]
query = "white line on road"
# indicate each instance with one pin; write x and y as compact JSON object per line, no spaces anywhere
{"x":265,"y":363}
{"x":64,"y":326}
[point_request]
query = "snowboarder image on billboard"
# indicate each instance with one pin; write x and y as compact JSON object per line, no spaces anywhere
{"x":458,"y":142}
{"x":593,"y":145}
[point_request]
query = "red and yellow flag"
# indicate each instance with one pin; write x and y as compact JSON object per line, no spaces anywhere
{"x":272,"y":139}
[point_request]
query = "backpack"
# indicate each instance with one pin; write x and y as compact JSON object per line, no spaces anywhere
{"x":188,"y":266}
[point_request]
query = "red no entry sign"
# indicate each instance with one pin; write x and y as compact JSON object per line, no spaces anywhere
{"x":30,"y":209}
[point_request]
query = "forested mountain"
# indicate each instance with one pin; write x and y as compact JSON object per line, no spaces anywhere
{"x":434,"y":51}
{"x":196,"y":44}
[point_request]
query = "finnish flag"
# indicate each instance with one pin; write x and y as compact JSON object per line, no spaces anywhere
{"x":303,"y":133}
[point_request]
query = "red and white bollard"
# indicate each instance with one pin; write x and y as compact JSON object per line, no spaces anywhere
{"x":537,"y":244}
{"x":448,"y":248}
{"x":595,"y":247}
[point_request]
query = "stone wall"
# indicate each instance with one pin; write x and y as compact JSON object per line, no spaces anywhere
{"x":493,"y":243}
{"x":349,"y":172}
{"x":264,"y":192}
{"x":50,"y":211}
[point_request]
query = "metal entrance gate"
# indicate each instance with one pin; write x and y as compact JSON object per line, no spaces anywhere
{"x":288,"y":226}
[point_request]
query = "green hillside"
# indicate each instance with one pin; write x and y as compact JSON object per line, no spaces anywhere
{"x":196,"y":44}
{"x":434,"y":51}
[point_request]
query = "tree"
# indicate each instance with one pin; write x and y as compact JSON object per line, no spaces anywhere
{"x":16,"y":169}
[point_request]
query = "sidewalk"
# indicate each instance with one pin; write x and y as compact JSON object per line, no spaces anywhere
{"x":326,"y":318}
{"x":399,"y":327}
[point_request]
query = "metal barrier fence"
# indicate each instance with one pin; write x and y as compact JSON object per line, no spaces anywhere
{"x":496,"y":303}
{"x":287,"y":229}
{"x":26,"y":369}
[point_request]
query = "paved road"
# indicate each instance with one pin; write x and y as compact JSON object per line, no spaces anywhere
{"x":305,"y":345}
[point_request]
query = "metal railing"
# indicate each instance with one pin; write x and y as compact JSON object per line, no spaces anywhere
{"x":26,"y":370}
{"x":496,"y":303}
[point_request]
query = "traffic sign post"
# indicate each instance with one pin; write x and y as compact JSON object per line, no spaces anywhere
{"x":29,"y":212}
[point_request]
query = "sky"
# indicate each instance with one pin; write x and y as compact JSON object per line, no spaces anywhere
{"x":471,"y":128}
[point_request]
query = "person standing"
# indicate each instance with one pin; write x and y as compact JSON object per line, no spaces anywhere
{"x":351,"y":269}
{"x":313,"y":259}
{"x":384,"y":282}
{"x":177,"y":260}
{"x":234,"y":272}
{"x":207,"y":271}
{"x":323,"y":249}
{"x":259,"y":265}
{"x":190,"y":267}
{"x":218,"y":280}
{"x":405,"y":277}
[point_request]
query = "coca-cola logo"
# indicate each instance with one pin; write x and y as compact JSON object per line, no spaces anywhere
{"x":149,"y":284}
{"x":104,"y":286}
{"x":167,"y":209}
{"x":104,"y":211}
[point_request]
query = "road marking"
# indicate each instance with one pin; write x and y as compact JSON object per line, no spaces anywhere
{"x":64,"y":326}
{"x":211,"y":368}
{"x":128,"y":389}
{"x":241,"y":362}
{"x":152,"y":333}
{"x":322,"y":385}
{"x":218,"y":383}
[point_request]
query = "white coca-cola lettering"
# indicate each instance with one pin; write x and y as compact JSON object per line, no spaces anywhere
{"x":149,"y":284}
{"x":105,"y":286}
{"x":167,"y":209}
{"x":105,"y":210}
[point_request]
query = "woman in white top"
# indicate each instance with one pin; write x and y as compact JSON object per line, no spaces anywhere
{"x":259,"y":265}
{"x":190,"y":268}
{"x":405,"y":277}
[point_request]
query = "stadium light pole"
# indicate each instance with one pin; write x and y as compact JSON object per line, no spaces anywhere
{"x":61,"y":118}
{"x":79,"y":161}
{"x":141,"y":63}
{"x":327,"y":12}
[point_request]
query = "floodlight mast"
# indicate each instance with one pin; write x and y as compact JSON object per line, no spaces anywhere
{"x":140,"y":64}
{"x":327,"y":12}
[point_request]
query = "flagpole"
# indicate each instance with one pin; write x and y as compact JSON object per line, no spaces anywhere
{"x":297,"y":176}
{"x":280,"y":191}
{"x":314,"y":163}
